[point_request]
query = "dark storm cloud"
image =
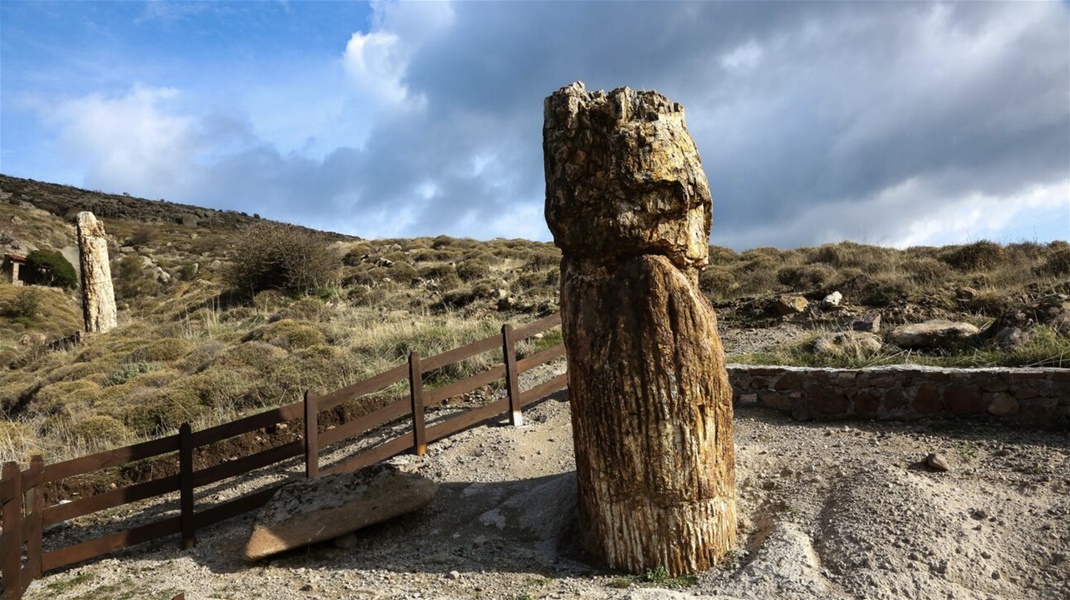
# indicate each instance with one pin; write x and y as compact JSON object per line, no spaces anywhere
{"x":807,"y":115}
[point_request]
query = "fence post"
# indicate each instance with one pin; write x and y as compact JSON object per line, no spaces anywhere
{"x":512,"y":381}
{"x":11,"y":539}
{"x":416,"y":393}
{"x":35,"y":503}
{"x":185,"y":472}
{"x":312,"y":460}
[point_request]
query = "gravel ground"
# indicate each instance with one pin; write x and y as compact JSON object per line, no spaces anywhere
{"x":826,"y":511}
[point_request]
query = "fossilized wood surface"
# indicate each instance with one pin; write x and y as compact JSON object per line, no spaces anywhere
{"x":651,"y":414}
{"x":629,"y":206}
{"x":98,"y":295}
{"x":623,"y":177}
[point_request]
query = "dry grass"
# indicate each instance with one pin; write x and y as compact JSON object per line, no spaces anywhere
{"x":188,"y":349}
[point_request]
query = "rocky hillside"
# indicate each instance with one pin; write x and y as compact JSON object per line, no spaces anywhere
{"x":190,"y":347}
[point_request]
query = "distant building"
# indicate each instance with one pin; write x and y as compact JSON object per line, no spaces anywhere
{"x":13,"y":269}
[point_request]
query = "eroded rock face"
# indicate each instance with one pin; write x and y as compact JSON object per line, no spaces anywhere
{"x":98,"y":295}
{"x":629,"y":206}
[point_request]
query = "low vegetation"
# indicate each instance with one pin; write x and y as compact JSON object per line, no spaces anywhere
{"x":221,"y":315}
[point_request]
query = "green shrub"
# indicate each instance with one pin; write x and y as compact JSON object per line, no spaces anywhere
{"x":25,"y":305}
{"x":287,"y":334}
{"x":262,"y":356}
{"x":158,"y":414}
{"x":49,"y":267}
{"x":471,"y":270}
{"x":100,"y":430}
{"x":164,"y":349}
{"x":271,"y":256}
{"x":132,"y":279}
{"x":717,"y":281}
{"x":128,"y":371}
{"x":1056,"y":263}
{"x":977,"y":256}
{"x":58,"y":398}
{"x":926,"y":270}
{"x":806,"y":278}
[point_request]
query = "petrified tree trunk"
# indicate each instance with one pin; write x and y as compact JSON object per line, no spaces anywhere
{"x":629,"y":206}
{"x":98,"y":296}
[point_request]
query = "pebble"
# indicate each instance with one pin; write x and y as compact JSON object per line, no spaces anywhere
{"x":937,"y":462}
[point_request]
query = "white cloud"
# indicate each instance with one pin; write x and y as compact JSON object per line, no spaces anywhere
{"x":130,"y":142}
{"x":1023,"y":216}
{"x":376,"y":61}
{"x":743,"y":57}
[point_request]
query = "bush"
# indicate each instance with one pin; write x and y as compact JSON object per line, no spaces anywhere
{"x":1057,"y":263}
{"x":977,"y":256}
{"x":287,"y":334}
{"x":472,"y":270}
{"x":163,"y":349}
{"x":25,"y":305}
{"x":806,"y":278}
{"x":132,"y":279}
{"x":100,"y":429}
{"x":927,"y":271}
{"x":158,"y":414}
{"x":48,"y":267}
{"x":271,"y":256}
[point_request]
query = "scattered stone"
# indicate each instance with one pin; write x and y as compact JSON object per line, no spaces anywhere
{"x":1003,"y":405}
{"x":937,"y":333}
{"x":937,"y":462}
{"x":33,"y":338}
{"x":324,"y":508}
{"x":454,"y":575}
{"x":854,"y":343}
{"x":833,"y":299}
{"x":870,"y":322}
{"x":790,"y":305}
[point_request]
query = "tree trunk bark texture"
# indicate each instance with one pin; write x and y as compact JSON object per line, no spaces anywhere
{"x":651,"y":403}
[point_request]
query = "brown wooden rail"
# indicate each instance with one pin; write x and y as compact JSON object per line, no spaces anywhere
{"x":25,"y":517}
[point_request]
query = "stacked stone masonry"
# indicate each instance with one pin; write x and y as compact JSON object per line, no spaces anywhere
{"x":1031,"y":398}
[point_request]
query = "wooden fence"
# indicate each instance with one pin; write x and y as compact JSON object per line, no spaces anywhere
{"x":25,"y":516}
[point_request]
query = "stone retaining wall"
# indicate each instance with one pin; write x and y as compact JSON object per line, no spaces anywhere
{"x":1021,"y":397}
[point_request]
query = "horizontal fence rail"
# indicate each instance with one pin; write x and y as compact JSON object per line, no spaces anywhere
{"x":25,"y":516}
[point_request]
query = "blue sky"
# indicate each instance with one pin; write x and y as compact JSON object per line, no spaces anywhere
{"x":898,"y":123}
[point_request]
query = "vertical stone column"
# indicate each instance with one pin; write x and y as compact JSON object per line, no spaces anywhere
{"x":98,"y":296}
{"x":629,"y":206}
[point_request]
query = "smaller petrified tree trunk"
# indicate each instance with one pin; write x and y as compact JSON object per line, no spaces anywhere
{"x":98,"y":295}
{"x":629,"y":206}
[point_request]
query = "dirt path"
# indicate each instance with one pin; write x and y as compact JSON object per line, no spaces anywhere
{"x":828,"y":511}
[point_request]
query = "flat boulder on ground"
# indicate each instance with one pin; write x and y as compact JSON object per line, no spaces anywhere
{"x":854,"y":343}
{"x":323,"y":508}
{"x":938,"y":333}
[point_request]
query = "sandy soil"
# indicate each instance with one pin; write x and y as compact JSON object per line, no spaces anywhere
{"x":827,"y":511}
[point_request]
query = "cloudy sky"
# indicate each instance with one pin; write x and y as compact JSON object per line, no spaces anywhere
{"x":899,"y":123}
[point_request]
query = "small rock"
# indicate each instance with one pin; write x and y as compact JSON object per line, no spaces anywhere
{"x":790,"y":305}
{"x":32,"y":339}
{"x":454,"y":575}
{"x":937,"y":333}
{"x":937,"y":462}
{"x":869,"y":322}
{"x":833,"y":299}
